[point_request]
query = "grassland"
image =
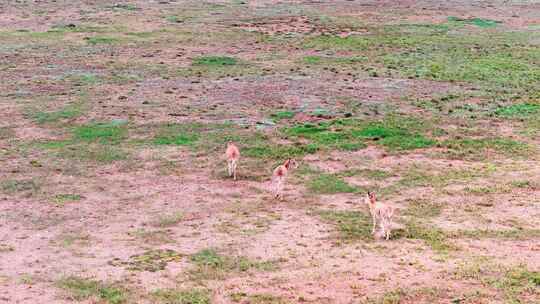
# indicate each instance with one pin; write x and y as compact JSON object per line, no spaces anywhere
{"x":115,"y":119}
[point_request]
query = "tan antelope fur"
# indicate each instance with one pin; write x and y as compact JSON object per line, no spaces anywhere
{"x":279,"y":177}
{"x":381,"y":214}
{"x":232,"y":154}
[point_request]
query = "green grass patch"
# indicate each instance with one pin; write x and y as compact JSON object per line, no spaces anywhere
{"x":111,"y":132}
{"x":97,"y":40}
{"x":352,"y":225}
{"x":150,"y":260}
{"x":393,"y":132}
{"x":68,"y":112}
{"x":78,"y":28}
{"x":210,"y":265}
{"x":328,"y":61}
{"x":373,"y":174}
{"x":495,"y":67}
{"x":81,"y":289}
{"x":312,"y":59}
{"x":517,"y":283}
{"x":83,"y":78}
{"x":432,"y":236}
{"x":306,"y":129}
{"x":518,"y":110}
{"x":330,"y":184}
{"x":279,"y":152}
{"x":426,"y":177}
{"x":330,"y":134}
{"x":83,"y":151}
{"x":175,"y":19}
{"x":174,"y":296}
{"x":62,"y":199}
{"x":477,"y":148}
{"x":510,"y":234}
{"x":124,"y":6}
{"x":401,"y":295}
{"x":101,"y":153}
{"x":327,"y":42}
{"x":215,"y":61}
{"x":423,"y":209}
{"x":20,"y":186}
{"x":480,"y":22}
{"x":177,"y":140}
{"x":282,"y":115}
{"x":411,"y":142}
{"x":197,"y":135}
{"x":394,"y":137}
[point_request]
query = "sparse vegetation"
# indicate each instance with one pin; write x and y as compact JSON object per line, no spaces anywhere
{"x":154,"y":237}
{"x":282,"y":115}
{"x":476,"y":149}
{"x":61,"y":199}
{"x":352,"y":225}
{"x":330,"y":184}
{"x":215,"y":61}
{"x":423,"y":209}
{"x":432,"y":236}
{"x":69,"y":112}
{"x":24,"y":186}
{"x":116,"y":117}
{"x":167,"y":220}
{"x":96,"y":40}
{"x":173,"y":296}
{"x":517,"y":283}
{"x":110,"y":132}
{"x":241,"y":297}
{"x":211,"y":265}
{"x":79,"y":289}
{"x":518,"y":110}
{"x":150,"y":260}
